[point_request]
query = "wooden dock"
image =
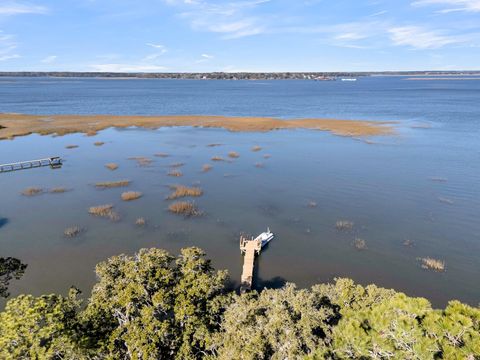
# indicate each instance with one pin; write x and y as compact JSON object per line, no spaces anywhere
{"x":250,"y":248}
{"x":53,"y":162}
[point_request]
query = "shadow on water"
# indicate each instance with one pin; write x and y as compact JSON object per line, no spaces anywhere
{"x":3,"y":222}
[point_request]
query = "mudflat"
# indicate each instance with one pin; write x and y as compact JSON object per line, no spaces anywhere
{"x":13,"y":125}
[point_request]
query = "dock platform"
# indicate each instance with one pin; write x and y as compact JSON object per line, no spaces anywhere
{"x":54,"y":162}
{"x":250,"y":248}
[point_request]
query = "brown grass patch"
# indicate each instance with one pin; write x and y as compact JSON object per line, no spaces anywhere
{"x":429,"y":263}
{"x":71,"y":146}
{"x":140,"y":221}
{"x":267,"y":156}
{"x":183,"y":191}
{"x":185,"y":208}
{"x":344,"y":225}
{"x":256,"y":148}
{"x":259,"y":165}
{"x":360,"y":244}
{"x":176,"y":165}
{"x":91,"y":133}
{"x":218,"y":158}
{"x":161,"y":155}
{"x":131,"y":195}
{"x":105,"y":211}
{"x":233,"y":154}
{"x":72,"y":231}
{"x":113,"y":184}
{"x":58,"y":190}
{"x":214,"y":145}
{"x":98,"y":143}
{"x":207,"y":167}
{"x":111,"y":166}
{"x":141,"y":160}
{"x":175,"y":173}
{"x":32,"y":191}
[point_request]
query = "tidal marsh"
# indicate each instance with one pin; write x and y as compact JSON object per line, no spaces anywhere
{"x":184,"y":191}
{"x":217,"y":158}
{"x":32,"y":191}
{"x":104,"y":211}
{"x":429,"y":263}
{"x":113,"y":184}
{"x":233,"y":154}
{"x":131,"y":195}
{"x":111,"y":166}
{"x":185,"y":208}
{"x":175,"y":173}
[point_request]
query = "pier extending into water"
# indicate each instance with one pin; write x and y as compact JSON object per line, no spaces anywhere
{"x":250,"y":248}
{"x":54,"y":162}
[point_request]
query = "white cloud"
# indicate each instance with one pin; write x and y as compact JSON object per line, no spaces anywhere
{"x":16,"y":8}
{"x":161,"y":48}
{"x":452,"y":5}
{"x":49,"y":59}
{"x":420,"y":38}
{"x":127,"y":68}
{"x":207,"y":56}
{"x":9,"y":57}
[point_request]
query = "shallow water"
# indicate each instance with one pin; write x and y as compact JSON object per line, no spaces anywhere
{"x":384,"y":187}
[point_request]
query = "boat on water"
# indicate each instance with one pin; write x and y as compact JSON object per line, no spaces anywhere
{"x":265,"y":237}
{"x":349,"y":79}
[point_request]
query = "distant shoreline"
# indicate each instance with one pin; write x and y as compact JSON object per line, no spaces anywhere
{"x":322,"y":76}
{"x":13,"y":125}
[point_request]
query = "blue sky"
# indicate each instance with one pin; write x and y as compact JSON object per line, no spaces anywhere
{"x":239,"y":35}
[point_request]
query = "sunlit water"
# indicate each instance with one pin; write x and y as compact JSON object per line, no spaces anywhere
{"x":385,"y":188}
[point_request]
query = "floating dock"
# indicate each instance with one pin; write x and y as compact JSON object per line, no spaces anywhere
{"x":249,"y":248}
{"x":54,"y":162}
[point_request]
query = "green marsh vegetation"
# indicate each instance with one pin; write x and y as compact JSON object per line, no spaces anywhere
{"x":153,"y":305}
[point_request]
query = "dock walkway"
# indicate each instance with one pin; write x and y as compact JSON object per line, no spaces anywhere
{"x":250,"y":248}
{"x":53,"y":162}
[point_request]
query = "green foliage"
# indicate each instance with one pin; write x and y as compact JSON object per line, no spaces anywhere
{"x":155,"y":306}
{"x":10,"y":268}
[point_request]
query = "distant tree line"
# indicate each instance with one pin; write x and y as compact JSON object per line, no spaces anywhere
{"x":153,"y":305}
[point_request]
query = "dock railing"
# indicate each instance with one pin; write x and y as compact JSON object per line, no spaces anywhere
{"x":54,"y":162}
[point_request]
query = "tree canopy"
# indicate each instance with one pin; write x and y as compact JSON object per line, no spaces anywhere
{"x":153,"y":305}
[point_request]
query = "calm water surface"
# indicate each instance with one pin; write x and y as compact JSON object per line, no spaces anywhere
{"x":384,"y":187}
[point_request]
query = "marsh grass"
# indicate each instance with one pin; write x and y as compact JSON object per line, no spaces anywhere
{"x":131,"y":195}
{"x":312,"y":204}
{"x":267,"y":156}
{"x":259,"y":165}
{"x":98,"y":143}
{"x":183,"y":191}
{"x":218,"y":158}
{"x":91,"y":133}
{"x":344,"y":225}
{"x":207,"y":168}
{"x":360,"y":244}
{"x":71,"y":146}
{"x":176,"y":165}
{"x":142,"y":161}
{"x":408,"y":243}
{"x":140,"y":221}
{"x":234,"y":154}
{"x":72,"y":231}
{"x":112,"y":184}
{"x":161,"y":155}
{"x":58,"y":190}
{"x":214,"y":145}
{"x":105,"y":211}
{"x":445,"y":200}
{"x":111,"y":166}
{"x":32,"y":191}
{"x":429,"y":263}
{"x":438,"y":179}
{"x":175,"y":173}
{"x":185,"y":208}
{"x":256,"y":148}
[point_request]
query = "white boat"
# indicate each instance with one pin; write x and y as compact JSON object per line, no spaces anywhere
{"x":265,"y":237}
{"x":349,"y":79}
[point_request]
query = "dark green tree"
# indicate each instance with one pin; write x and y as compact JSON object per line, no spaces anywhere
{"x":10,"y":268}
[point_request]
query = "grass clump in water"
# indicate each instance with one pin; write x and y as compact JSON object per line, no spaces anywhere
{"x":256,"y":148}
{"x":446,"y":200}
{"x":175,"y":173}
{"x":207,"y":168}
{"x":141,"y":160}
{"x":111,"y":166}
{"x":113,"y":184}
{"x":176,"y":165}
{"x":267,"y":156}
{"x":105,"y":211}
{"x":408,"y":243}
{"x":259,"y":165}
{"x":234,"y":154}
{"x":161,"y":155}
{"x":71,"y":146}
{"x":58,"y":190}
{"x":214,"y":145}
{"x":131,"y":195}
{"x":72,"y":231}
{"x":140,"y":221}
{"x":183,"y":191}
{"x":98,"y":143}
{"x":312,"y":204}
{"x":360,"y":244}
{"x":429,"y":263}
{"x":32,"y":191}
{"x":185,"y":208}
{"x":218,"y":158}
{"x":344,"y":225}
